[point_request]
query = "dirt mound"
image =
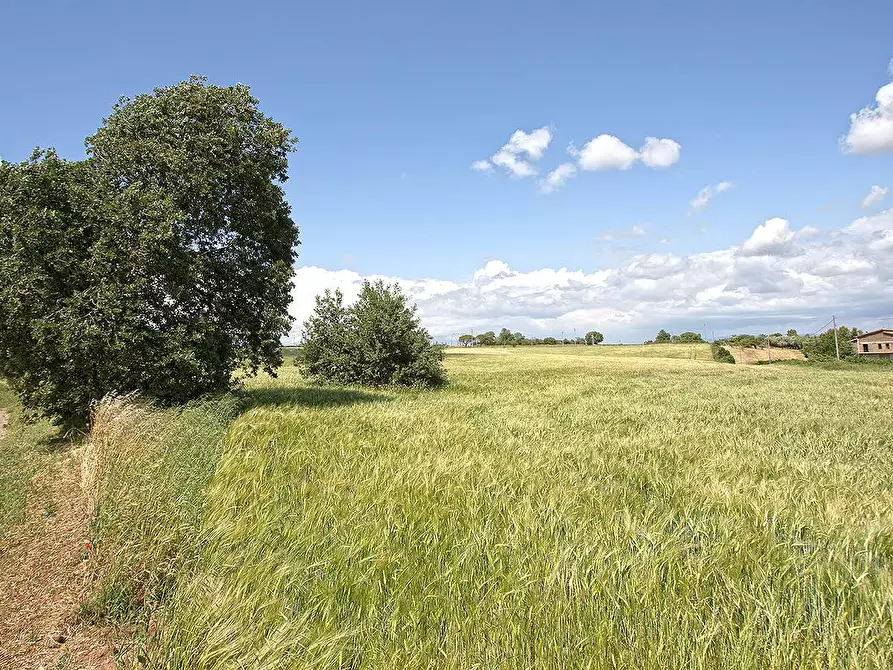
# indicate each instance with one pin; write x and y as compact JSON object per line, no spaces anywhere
{"x":45,"y":573}
{"x":751,"y":356}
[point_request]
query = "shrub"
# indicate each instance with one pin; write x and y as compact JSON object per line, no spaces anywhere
{"x":721,"y":354}
{"x":377,"y":341}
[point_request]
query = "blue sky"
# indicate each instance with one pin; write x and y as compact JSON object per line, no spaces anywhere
{"x":393,"y":102}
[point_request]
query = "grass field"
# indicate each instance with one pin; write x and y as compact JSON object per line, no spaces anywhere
{"x":25,"y":448}
{"x":562,"y":507}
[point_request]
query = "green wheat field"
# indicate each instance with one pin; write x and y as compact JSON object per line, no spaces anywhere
{"x":561,"y":507}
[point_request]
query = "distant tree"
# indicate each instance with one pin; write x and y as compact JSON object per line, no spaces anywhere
{"x":663,"y":337}
{"x":505,"y":337}
{"x":466,"y":339}
{"x":377,"y":341}
{"x":721,"y":354}
{"x":688,"y":337}
{"x":486,"y":339}
{"x":821,"y":347}
{"x":792,"y":332}
{"x":550,"y":340}
{"x":160,"y":264}
{"x":518,"y":338}
{"x":594,"y":337}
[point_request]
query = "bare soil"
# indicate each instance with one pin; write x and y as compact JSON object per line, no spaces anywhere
{"x":45,"y":573}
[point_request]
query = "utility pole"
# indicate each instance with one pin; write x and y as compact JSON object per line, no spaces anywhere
{"x":769,"y":346}
{"x":836,"y":346}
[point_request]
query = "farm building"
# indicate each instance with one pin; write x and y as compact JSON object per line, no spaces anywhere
{"x":876,"y":344}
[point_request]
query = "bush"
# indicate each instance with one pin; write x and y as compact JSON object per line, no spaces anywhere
{"x":721,"y":354}
{"x":377,"y":341}
{"x":160,"y":264}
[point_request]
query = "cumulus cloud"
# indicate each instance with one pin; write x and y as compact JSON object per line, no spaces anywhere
{"x":660,"y":153}
{"x":777,"y":276}
{"x":516,"y":155}
{"x":557,"y":177}
{"x":772,"y":238}
{"x":706,"y":194}
{"x":607,"y":152}
{"x":871,"y":128}
{"x":876,"y":194}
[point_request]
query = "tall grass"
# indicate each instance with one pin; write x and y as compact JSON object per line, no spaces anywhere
{"x":575,"y":510}
{"x":24,"y":451}
{"x":148,"y":469}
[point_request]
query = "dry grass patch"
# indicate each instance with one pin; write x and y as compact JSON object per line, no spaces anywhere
{"x":752,"y":356}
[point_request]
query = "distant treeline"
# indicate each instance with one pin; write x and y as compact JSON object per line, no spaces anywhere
{"x":507,"y":338}
{"x":688,"y":337}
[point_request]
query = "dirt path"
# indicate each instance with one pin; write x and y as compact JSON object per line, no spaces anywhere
{"x":4,"y":419}
{"x":44,"y":575}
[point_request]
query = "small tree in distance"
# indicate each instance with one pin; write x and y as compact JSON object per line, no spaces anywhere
{"x":486,"y":339}
{"x":663,"y":337}
{"x":466,"y":339}
{"x":594,"y":337}
{"x":377,"y":341}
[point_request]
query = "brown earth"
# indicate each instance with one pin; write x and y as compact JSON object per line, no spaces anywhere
{"x":45,"y":573}
{"x":751,"y":356}
{"x":4,"y":419}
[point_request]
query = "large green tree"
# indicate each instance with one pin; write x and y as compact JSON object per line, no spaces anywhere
{"x":161,"y":264}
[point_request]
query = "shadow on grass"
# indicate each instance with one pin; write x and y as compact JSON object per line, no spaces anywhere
{"x":312,"y":396}
{"x":56,"y":442}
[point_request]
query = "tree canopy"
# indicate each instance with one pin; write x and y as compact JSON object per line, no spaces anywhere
{"x":594,"y":337}
{"x":160,"y":264}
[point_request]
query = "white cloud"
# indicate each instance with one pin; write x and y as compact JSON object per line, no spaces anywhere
{"x":511,"y":156}
{"x":706,"y":194}
{"x":557,"y":177}
{"x":772,"y":238}
{"x":606,"y":152}
{"x":871,"y":128}
{"x":778,"y":276}
{"x":876,"y":194}
{"x":533,"y":144}
{"x":660,"y":153}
